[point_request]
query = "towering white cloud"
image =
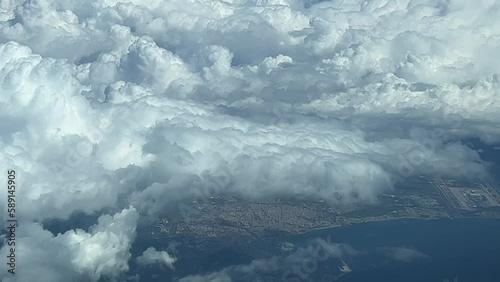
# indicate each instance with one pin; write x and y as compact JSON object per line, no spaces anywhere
{"x":76,"y":255}
{"x":106,"y":104}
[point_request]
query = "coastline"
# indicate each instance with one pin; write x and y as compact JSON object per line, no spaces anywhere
{"x":341,"y":226}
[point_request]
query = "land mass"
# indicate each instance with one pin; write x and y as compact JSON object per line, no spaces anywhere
{"x":225,"y":230}
{"x":229,"y":217}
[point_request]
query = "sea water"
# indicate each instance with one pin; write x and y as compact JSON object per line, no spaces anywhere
{"x":463,"y":250}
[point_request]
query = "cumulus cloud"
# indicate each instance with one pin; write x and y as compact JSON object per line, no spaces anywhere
{"x":76,"y":255}
{"x":107,"y":104}
{"x":152,"y":256}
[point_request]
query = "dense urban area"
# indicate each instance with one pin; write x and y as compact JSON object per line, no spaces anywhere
{"x":225,"y":216}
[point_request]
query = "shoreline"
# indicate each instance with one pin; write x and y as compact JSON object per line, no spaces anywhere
{"x":387,"y":220}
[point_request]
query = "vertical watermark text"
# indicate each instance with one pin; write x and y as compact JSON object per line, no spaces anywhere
{"x":11,"y":220}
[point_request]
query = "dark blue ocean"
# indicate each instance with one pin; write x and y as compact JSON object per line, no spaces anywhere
{"x":463,"y":250}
